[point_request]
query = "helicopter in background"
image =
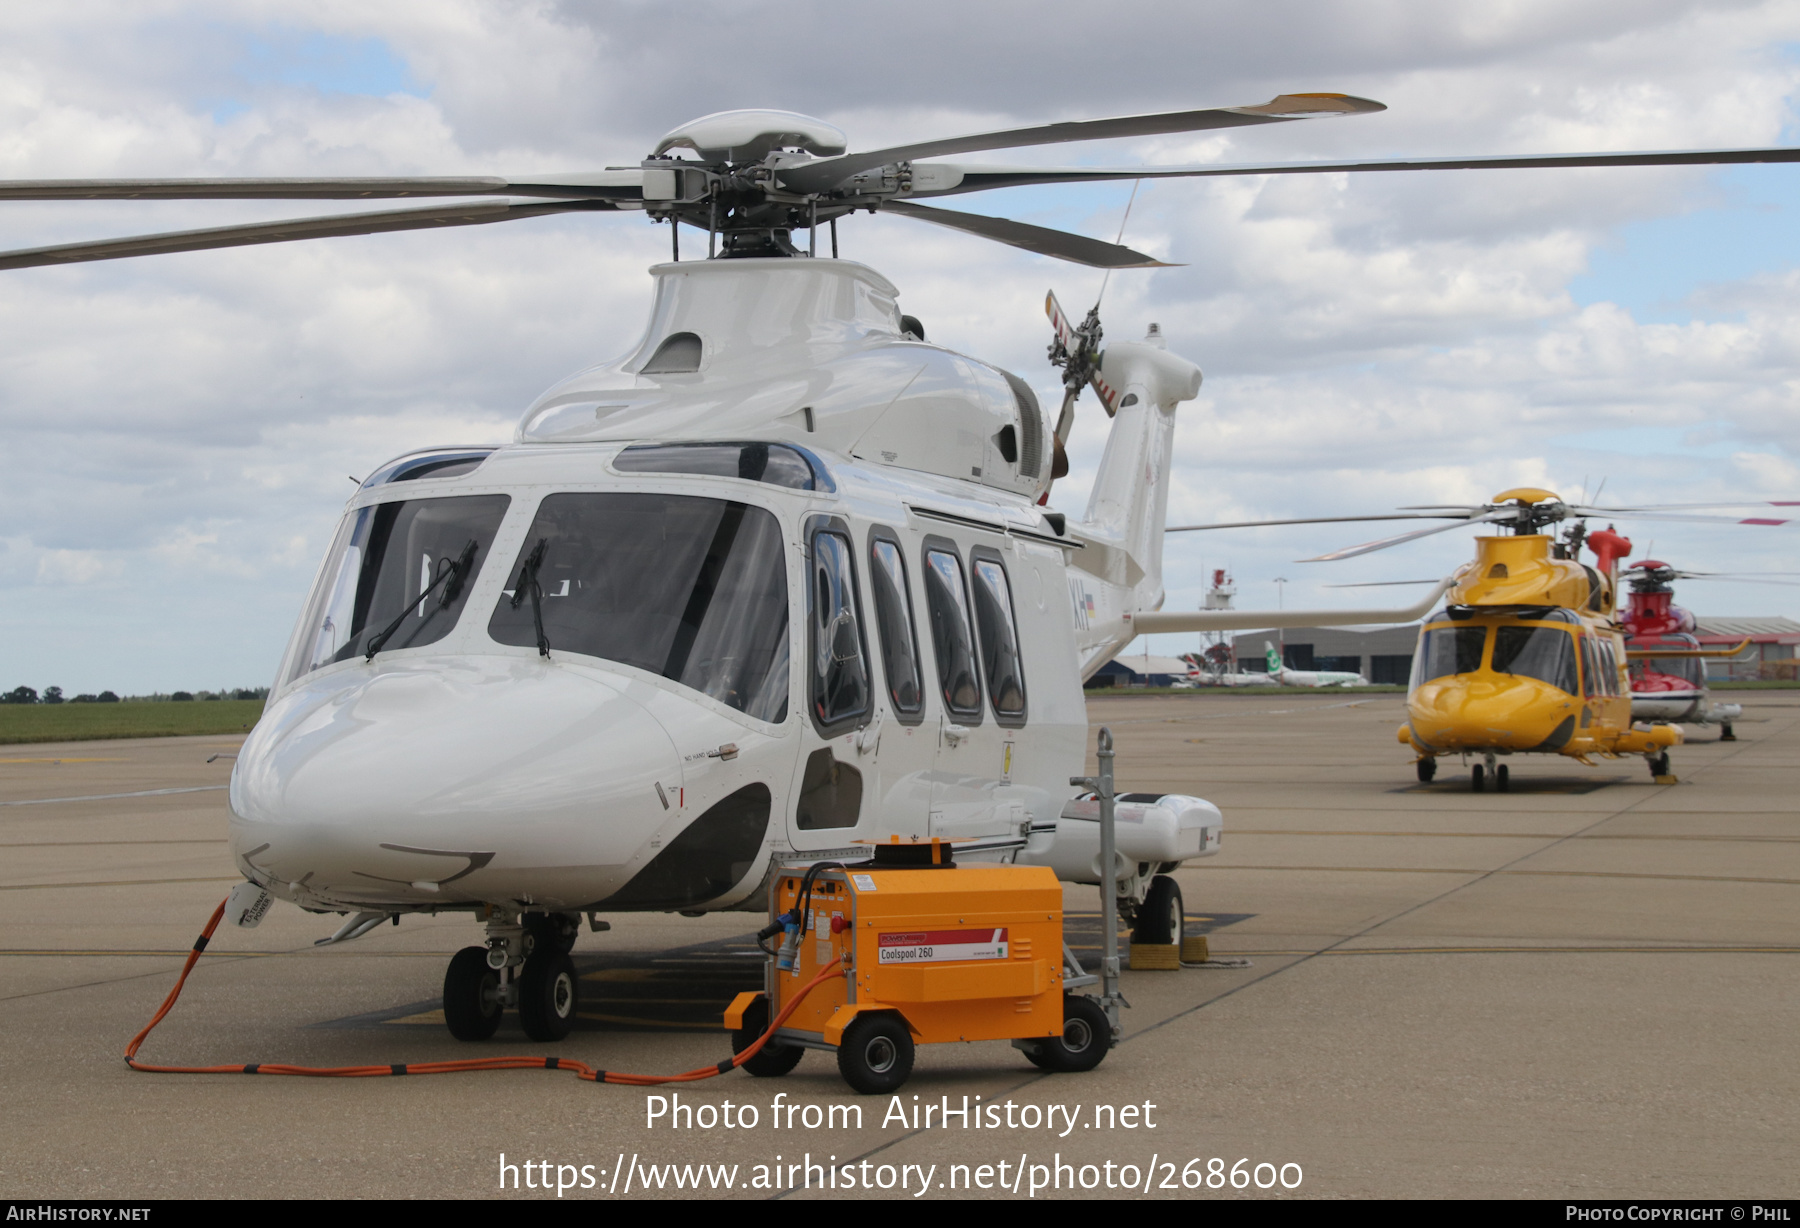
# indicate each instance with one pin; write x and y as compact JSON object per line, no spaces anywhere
{"x":781,"y":580}
{"x":1528,"y":654}
{"x":1668,"y":663}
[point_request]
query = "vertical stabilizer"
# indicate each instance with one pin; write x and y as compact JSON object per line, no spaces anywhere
{"x":1129,"y":505}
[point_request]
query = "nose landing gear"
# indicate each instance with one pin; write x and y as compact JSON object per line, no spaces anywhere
{"x":1488,"y":770}
{"x":525,"y":966}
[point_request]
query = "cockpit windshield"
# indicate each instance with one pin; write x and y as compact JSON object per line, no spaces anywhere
{"x":690,"y":588}
{"x":395,"y":577}
{"x":1444,"y":651}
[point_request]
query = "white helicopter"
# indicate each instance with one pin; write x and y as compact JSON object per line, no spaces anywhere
{"x":780,"y":582}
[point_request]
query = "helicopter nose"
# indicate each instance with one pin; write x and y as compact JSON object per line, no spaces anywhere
{"x":1483,"y":712}
{"x":456,"y":779}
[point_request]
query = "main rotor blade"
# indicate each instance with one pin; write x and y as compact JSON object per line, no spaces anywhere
{"x":827,"y":173}
{"x":624,"y":184}
{"x":1350,"y":552}
{"x":1604,"y":513}
{"x":1258,"y":524}
{"x":289,"y":230}
{"x":1379,"y":584}
{"x":958,"y":178}
{"x":1042,"y":240}
{"x":1589,"y":509}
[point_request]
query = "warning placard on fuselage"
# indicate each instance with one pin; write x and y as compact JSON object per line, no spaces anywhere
{"x":939,"y":946}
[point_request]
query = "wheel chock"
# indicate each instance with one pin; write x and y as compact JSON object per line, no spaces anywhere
{"x":1155,"y":957}
{"x":1194,"y":950}
{"x":1667,"y":780}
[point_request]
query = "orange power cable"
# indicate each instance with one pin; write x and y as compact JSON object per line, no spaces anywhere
{"x":580,"y":1069}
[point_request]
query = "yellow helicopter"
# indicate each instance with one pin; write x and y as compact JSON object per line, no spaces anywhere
{"x":1527,"y":654}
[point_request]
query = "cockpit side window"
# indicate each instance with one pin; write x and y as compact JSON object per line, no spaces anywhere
{"x":397,"y":577}
{"x":894,"y":614}
{"x":840,"y":658}
{"x":999,"y":630}
{"x":951,"y":640}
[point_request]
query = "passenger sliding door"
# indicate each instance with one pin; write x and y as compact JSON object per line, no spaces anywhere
{"x":971,"y":793}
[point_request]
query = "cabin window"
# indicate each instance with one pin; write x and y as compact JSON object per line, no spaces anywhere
{"x":1600,"y":666}
{"x":689,"y":588}
{"x":999,"y":639}
{"x":1544,"y":653}
{"x":894,"y":614}
{"x":386,"y":556}
{"x":948,"y":602}
{"x":840,"y":665}
{"x":1444,"y":651}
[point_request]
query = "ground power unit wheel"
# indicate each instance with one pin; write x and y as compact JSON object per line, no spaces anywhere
{"x":548,"y":996}
{"x":772,"y":1060}
{"x":471,"y":995}
{"x":876,"y":1053}
{"x":1086,"y":1036}
{"x":1160,"y":917}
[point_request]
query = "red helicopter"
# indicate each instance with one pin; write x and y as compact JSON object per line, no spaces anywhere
{"x":1668,"y":665}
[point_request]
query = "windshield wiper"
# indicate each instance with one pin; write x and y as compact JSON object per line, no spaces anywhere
{"x":450,"y":574}
{"x":528,"y":576}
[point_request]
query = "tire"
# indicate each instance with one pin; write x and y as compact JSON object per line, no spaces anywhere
{"x":553,"y":933}
{"x":1478,"y":779}
{"x":772,"y":1060}
{"x":1160,"y":916}
{"x":1659,"y":764}
{"x":1426,"y":768}
{"x":471,"y":995}
{"x":1086,"y":1036}
{"x":1502,"y":779}
{"x":548,"y":996}
{"x":876,"y":1054}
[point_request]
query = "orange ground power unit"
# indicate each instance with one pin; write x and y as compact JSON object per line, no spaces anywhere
{"x":931,"y":952}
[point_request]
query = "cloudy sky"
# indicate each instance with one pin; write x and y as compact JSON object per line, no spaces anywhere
{"x":179,"y":431}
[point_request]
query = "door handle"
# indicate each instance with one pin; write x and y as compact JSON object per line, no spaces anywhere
{"x":868,"y":738}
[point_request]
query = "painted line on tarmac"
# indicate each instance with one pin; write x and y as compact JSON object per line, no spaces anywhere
{"x":1700,"y":878}
{"x":1478,"y":835}
{"x":1516,"y":950}
{"x":120,"y":882}
{"x":107,"y":797}
{"x":102,"y":844}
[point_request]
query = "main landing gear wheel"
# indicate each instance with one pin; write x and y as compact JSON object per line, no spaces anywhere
{"x":547,"y":996}
{"x":1426,"y":768}
{"x":1659,"y":764}
{"x":876,"y":1053}
{"x":1478,"y":779}
{"x":772,"y":1060}
{"x":1160,"y":917}
{"x":1502,"y":779}
{"x":552,"y":932}
{"x":1725,"y":733}
{"x":1086,"y":1036}
{"x":471,"y":995}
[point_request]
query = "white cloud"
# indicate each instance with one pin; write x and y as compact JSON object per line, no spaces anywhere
{"x":1369,"y":341}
